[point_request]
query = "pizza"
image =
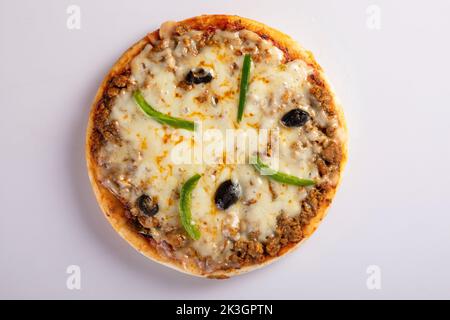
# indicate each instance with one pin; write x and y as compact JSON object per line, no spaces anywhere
{"x":155,"y":145}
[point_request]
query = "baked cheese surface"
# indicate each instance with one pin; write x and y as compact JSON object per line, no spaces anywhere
{"x":156,"y":159}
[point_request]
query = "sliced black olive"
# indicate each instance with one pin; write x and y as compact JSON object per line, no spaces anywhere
{"x":146,"y":233}
{"x":140,"y":229}
{"x":198,"y":75}
{"x":227,"y":194}
{"x":147,"y":206}
{"x":295,"y":118}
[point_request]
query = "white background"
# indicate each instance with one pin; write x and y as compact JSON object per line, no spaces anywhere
{"x":392,"y":208}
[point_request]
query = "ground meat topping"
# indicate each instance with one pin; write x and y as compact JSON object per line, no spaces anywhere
{"x":316,"y":141}
{"x":332,"y":153}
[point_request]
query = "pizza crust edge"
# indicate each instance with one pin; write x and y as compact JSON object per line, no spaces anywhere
{"x":113,"y":209}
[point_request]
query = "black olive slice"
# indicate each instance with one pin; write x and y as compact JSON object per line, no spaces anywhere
{"x":227,"y":194}
{"x":147,"y":206}
{"x":295,"y":118}
{"x":140,"y":229}
{"x":198,"y":75}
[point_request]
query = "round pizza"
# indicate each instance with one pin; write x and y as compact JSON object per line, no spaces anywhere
{"x":215,"y":145}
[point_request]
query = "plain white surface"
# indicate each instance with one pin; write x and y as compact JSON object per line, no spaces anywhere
{"x":391,"y":210}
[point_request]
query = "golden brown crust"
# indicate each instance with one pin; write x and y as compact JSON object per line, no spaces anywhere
{"x":113,"y":209}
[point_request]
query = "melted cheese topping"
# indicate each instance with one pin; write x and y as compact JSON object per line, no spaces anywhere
{"x":145,"y":163}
